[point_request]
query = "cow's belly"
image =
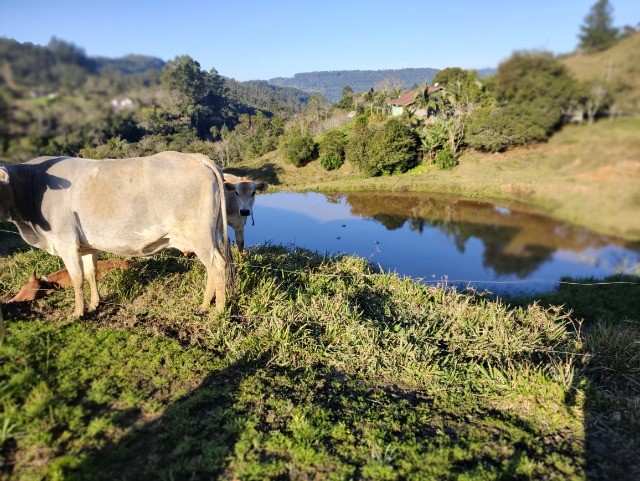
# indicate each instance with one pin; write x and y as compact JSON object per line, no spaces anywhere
{"x":128,"y":242}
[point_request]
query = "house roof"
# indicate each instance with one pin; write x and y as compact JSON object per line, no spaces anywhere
{"x":404,"y":99}
{"x":409,"y":97}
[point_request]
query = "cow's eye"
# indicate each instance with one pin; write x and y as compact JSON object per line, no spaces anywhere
{"x":237,"y":194}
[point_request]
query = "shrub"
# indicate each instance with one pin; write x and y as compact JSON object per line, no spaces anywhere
{"x":392,"y":149}
{"x":296,"y":148}
{"x":444,"y":159}
{"x":490,"y":130}
{"x":333,"y":142}
{"x":535,"y":90}
{"x":384,"y":150}
{"x":331,"y":161}
{"x":356,"y":149}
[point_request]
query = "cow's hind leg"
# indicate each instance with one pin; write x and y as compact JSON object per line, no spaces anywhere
{"x":89,"y":264}
{"x":216,"y":271}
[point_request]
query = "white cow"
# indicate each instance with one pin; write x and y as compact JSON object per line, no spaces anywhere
{"x":240,"y":194}
{"x":75,"y":207}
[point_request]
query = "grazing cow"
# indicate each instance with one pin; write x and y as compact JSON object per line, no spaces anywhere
{"x":38,"y":287}
{"x":75,"y":207}
{"x":240,"y":195}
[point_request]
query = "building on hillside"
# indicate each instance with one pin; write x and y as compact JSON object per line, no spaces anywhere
{"x":403,"y":102}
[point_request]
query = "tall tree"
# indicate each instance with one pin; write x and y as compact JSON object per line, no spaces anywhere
{"x":597,"y":33}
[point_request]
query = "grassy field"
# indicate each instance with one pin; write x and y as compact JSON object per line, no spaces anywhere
{"x":587,"y":175}
{"x":321,"y":368}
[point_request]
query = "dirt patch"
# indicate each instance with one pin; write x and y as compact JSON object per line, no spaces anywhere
{"x":628,"y":169}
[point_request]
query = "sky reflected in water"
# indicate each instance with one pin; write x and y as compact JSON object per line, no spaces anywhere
{"x":498,"y":247}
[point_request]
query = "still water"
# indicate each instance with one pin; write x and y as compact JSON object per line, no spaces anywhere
{"x":442,"y":239}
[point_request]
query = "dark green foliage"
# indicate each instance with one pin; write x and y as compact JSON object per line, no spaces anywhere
{"x":60,"y":102}
{"x":254,"y":135}
{"x":383,"y":150}
{"x":331,"y":161}
{"x":356,"y":149}
{"x":534,"y":91}
{"x":297,"y":149}
{"x":333,"y":142}
{"x":261,"y":95}
{"x":346,"y":102}
{"x":444,"y":159}
{"x":597,"y":33}
{"x":489,"y":130}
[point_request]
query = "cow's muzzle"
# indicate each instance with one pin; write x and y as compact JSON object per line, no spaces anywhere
{"x":245,"y":212}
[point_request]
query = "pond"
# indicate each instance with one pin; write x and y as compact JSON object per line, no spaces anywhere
{"x":500,"y":247}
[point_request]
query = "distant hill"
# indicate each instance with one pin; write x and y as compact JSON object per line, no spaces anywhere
{"x":26,"y":67}
{"x":619,"y":64}
{"x":261,"y":95}
{"x":330,"y":84}
{"x":48,"y":68}
{"x":130,"y":64}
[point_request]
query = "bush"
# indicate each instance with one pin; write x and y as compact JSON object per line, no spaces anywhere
{"x":535,"y":90}
{"x":296,"y":148}
{"x":490,"y":130}
{"x":392,"y":149}
{"x":445,"y":160}
{"x":333,"y":142}
{"x":331,"y":161}
{"x":356,"y":149}
{"x":384,"y":150}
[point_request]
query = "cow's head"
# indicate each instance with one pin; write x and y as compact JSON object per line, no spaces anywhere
{"x":245,"y":192}
{"x":34,"y":289}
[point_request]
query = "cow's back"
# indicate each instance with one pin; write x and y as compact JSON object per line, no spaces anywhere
{"x":134,"y":206}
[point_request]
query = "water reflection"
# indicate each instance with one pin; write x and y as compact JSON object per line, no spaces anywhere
{"x":437,"y":237}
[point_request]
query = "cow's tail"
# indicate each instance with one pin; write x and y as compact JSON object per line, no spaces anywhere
{"x":222,"y":228}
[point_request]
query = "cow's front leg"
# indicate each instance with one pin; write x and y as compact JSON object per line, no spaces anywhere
{"x":239,"y":238}
{"x":73,"y":263}
{"x":89,"y":265}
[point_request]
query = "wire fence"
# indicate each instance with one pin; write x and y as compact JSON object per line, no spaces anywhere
{"x":443,"y":281}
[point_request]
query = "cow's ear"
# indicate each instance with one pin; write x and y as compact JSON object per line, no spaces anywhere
{"x":262,"y":186}
{"x":229,"y":187}
{"x":4,"y":176}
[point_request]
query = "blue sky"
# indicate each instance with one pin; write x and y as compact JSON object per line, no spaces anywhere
{"x":251,"y":39}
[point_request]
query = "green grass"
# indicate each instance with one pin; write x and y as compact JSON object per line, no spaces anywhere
{"x":321,"y":368}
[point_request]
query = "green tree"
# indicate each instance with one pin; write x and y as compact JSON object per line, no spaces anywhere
{"x":346,"y":101}
{"x":297,"y":149}
{"x":597,"y":33}
{"x":534,"y":90}
{"x":597,"y":96}
{"x":387,"y":149}
{"x":333,"y":142}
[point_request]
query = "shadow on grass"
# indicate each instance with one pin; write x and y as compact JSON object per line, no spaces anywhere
{"x":256,"y":421}
{"x":610,"y":372}
{"x":10,"y":240}
{"x":193,"y":438}
{"x":265,"y":173}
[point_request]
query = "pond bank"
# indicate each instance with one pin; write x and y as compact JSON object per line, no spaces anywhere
{"x":586,"y":175}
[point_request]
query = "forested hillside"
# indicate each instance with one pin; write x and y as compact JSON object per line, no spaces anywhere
{"x":56,"y":100}
{"x":330,"y":84}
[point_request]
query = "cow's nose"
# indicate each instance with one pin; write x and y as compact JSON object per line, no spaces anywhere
{"x":245,"y":212}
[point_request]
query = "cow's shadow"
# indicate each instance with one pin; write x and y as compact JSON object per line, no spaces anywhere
{"x":268,"y":173}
